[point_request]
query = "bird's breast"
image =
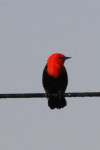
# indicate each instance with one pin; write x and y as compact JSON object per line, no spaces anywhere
{"x":55,"y":71}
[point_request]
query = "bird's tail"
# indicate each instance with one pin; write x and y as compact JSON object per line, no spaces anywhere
{"x":56,"y":102}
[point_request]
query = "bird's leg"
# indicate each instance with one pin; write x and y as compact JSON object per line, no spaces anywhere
{"x":47,"y":94}
{"x":60,"y":94}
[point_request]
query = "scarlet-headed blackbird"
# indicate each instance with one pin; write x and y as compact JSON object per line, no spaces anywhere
{"x":55,"y":80}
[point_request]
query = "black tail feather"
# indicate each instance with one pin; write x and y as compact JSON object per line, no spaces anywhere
{"x":55,"y":102}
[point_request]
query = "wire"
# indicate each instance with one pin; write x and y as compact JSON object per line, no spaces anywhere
{"x":37,"y":95}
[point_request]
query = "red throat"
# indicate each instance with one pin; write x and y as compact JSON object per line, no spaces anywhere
{"x":55,"y":71}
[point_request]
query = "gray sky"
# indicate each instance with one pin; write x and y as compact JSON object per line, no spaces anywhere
{"x":30,"y":31}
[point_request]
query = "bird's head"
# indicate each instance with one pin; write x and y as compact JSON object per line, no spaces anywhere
{"x":55,"y":63}
{"x":57,"y":59}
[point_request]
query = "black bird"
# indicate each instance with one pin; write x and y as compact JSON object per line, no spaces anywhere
{"x":55,"y":80}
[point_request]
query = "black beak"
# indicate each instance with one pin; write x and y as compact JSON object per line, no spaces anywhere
{"x":67,"y":58}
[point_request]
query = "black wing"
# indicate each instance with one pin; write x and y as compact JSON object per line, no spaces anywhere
{"x":53,"y":85}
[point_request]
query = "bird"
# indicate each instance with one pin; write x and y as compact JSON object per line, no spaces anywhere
{"x":55,"y":80}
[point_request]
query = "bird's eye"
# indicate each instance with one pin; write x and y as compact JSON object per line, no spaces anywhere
{"x":60,"y":57}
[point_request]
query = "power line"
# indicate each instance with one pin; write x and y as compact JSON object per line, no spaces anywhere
{"x":37,"y":95}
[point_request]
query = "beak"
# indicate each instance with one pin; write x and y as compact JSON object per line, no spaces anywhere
{"x":67,"y":58}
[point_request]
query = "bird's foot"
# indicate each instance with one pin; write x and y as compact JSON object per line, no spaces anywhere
{"x":60,"y":94}
{"x":47,"y":94}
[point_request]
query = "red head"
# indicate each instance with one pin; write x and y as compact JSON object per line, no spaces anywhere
{"x":55,"y":64}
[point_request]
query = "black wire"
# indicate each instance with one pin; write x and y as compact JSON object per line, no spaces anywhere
{"x":37,"y":95}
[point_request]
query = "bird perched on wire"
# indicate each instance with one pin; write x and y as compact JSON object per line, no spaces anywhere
{"x":55,"y":80}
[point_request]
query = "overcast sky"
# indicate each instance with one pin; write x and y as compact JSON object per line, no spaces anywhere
{"x":30,"y":31}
